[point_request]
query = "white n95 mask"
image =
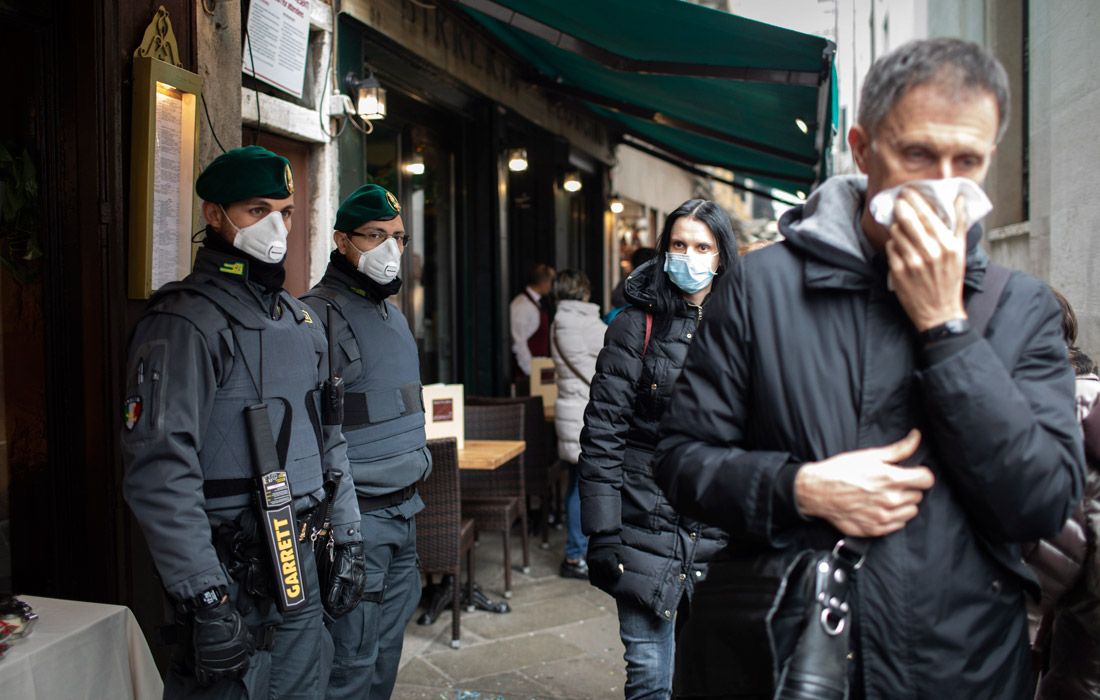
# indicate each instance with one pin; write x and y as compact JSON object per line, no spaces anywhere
{"x":381,"y":264}
{"x":264,"y":240}
{"x":940,"y":195}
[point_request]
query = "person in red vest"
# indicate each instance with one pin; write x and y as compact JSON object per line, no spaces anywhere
{"x":531,"y":323}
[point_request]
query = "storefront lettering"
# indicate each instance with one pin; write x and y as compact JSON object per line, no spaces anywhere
{"x":438,"y":29}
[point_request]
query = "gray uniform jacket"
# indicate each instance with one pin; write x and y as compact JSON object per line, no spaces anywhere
{"x":383,"y":405}
{"x":200,"y":354}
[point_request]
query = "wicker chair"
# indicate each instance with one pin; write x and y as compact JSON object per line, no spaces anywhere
{"x":443,"y":536}
{"x":496,"y":499}
{"x":541,"y":468}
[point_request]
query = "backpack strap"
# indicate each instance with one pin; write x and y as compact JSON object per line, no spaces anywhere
{"x":648,"y":331}
{"x":982,"y":304}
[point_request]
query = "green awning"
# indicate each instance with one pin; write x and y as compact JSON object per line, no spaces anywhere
{"x":706,"y":86}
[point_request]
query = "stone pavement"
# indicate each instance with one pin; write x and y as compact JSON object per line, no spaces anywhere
{"x":561,"y":639}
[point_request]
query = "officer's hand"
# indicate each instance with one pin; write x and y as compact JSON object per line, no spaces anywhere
{"x":927,"y":261}
{"x":221,"y":642}
{"x":604,"y":562}
{"x":862,"y":493}
{"x":348,"y":579}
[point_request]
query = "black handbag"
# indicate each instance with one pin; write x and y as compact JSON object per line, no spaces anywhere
{"x":815,"y":597}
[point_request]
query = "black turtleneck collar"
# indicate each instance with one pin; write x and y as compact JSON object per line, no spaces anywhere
{"x":270,"y":276}
{"x":375,"y":292}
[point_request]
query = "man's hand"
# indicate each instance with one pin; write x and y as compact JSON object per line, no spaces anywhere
{"x":221,"y":642}
{"x":347,"y":580}
{"x":927,"y":261}
{"x":862,"y":493}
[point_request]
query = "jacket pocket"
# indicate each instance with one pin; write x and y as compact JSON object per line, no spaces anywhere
{"x":143,"y":410}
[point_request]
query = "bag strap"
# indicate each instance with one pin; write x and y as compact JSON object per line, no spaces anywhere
{"x":648,"y":331}
{"x":983,"y":303}
{"x":570,"y":365}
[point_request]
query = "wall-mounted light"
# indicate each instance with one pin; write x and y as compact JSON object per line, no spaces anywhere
{"x":616,"y":205}
{"x":802,"y":126}
{"x":368,"y":94}
{"x":572,"y":182}
{"x":517,"y":160}
{"x":415,"y":165}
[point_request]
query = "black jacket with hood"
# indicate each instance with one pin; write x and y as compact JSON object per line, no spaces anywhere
{"x":805,"y":354}
{"x":632,"y":524}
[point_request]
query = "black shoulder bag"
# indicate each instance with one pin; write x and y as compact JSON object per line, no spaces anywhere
{"x":813,"y":664}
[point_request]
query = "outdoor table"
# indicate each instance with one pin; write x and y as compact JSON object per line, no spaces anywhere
{"x":489,"y":454}
{"x":80,"y":650}
{"x":483,"y":455}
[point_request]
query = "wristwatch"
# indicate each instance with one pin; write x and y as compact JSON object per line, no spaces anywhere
{"x":209,"y":598}
{"x":948,"y":329}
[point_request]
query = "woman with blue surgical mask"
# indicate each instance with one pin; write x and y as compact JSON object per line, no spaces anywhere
{"x":640,"y":550}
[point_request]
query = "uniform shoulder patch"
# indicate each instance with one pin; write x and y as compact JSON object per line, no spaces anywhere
{"x":306,"y":317}
{"x":131,"y":412}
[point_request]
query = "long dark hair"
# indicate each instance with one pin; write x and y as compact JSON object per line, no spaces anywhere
{"x":668,"y":298}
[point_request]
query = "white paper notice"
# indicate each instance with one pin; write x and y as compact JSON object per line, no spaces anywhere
{"x":166,"y":188}
{"x":276,"y":43}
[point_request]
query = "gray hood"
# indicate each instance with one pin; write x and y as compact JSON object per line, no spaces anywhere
{"x":827,"y":230}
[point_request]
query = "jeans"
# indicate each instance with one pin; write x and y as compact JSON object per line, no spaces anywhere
{"x":650,"y":648}
{"x":576,"y":544}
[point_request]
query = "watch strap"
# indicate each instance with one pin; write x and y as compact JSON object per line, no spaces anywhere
{"x":947,"y":329}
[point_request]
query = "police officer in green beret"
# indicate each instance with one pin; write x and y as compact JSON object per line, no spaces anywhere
{"x":226,"y":458}
{"x":384,"y":425}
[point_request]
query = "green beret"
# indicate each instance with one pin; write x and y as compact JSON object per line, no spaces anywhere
{"x":368,"y":203}
{"x":243,"y":173}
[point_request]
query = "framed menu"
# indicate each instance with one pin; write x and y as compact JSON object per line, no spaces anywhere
{"x":163,"y":162}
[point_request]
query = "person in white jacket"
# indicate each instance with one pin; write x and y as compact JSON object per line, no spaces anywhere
{"x":576,"y":338}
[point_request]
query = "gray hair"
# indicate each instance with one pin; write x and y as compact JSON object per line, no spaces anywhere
{"x":960,"y":67}
{"x":572,"y":284}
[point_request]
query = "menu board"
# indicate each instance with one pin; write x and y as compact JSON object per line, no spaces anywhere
{"x":276,"y":43}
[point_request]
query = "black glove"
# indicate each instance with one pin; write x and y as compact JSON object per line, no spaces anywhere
{"x":347,"y":579}
{"x":221,"y":642}
{"x":604,"y":562}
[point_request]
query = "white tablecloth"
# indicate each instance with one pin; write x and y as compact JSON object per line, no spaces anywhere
{"x":80,"y":651}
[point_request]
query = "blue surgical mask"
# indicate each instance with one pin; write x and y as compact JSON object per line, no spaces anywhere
{"x":690,"y":272}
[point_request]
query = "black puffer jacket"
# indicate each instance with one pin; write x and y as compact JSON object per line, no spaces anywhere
{"x":661,"y":554}
{"x":805,"y":354}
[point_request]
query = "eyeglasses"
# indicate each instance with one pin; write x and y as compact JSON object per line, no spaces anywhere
{"x":377,"y":238}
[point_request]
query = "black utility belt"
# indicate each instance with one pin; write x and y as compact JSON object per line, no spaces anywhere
{"x":228,"y":488}
{"x":380,"y":406}
{"x":396,"y":498}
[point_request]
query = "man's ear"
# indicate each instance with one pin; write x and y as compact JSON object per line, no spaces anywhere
{"x":860,"y":143}
{"x":339,"y":241}
{"x":213,"y":215}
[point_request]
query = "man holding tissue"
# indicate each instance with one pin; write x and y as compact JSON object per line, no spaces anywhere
{"x":874,"y":378}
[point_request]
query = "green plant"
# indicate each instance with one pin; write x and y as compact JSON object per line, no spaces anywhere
{"x":20,"y":248}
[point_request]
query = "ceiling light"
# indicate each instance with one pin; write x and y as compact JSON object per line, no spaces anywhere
{"x":572,"y":182}
{"x":415,"y":165}
{"x":616,"y":205}
{"x":517,"y":160}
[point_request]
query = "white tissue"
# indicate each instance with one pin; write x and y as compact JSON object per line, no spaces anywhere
{"x":940,"y":195}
